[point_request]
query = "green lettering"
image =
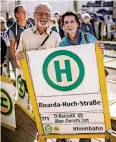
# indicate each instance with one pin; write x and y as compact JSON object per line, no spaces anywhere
{"x":59,"y":71}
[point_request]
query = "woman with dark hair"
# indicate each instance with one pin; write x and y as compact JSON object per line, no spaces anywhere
{"x":75,"y":36}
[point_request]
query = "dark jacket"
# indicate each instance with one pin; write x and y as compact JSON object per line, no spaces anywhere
{"x":61,"y":32}
{"x":54,"y":29}
{"x":17,"y":29}
{"x":3,"y":50}
{"x":86,"y":28}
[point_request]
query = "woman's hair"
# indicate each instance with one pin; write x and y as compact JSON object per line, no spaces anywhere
{"x":70,"y":13}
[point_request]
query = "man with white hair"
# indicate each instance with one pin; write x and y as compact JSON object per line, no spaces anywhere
{"x":85,"y":26}
{"x":39,"y":37}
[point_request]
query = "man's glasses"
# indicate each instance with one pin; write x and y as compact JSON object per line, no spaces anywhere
{"x":41,"y":14}
{"x":67,"y":22}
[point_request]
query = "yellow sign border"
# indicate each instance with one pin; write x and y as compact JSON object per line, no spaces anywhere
{"x":102,"y":82}
{"x":31,"y":92}
{"x":26,"y":111}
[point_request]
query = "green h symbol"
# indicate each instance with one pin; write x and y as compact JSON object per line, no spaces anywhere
{"x":59,"y":71}
{"x":21,"y":85}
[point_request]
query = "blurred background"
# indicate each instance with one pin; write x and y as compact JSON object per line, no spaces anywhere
{"x":102,"y":12}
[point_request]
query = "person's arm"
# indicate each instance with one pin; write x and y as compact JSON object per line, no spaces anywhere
{"x":20,"y":50}
{"x":12,"y":46}
{"x":92,"y":39}
{"x":12,"y":51}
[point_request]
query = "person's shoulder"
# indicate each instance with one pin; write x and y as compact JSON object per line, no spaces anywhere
{"x":53,"y":28}
{"x":82,"y":23}
{"x":63,"y":42}
{"x":12,"y":26}
{"x":81,"y":32}
{"x":89,"y":24}
{"x":55,"y":34}
{"x":27,"y":32}
{"x":91,"y":37}
{"x":32,"y":20}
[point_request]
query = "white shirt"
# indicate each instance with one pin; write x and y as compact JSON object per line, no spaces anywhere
{"x":31,"y":40}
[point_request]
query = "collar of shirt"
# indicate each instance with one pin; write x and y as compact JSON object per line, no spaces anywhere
{"x":77,"y":39}
{"x":28,"y":25}
{"x":34,"y":29}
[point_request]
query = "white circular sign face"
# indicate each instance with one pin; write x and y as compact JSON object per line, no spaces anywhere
{"x":63,"y":70}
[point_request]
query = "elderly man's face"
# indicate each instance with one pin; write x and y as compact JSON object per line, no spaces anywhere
{"x":42,"y":16}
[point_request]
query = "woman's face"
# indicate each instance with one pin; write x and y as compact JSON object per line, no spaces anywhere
{"x":70,"y":25}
